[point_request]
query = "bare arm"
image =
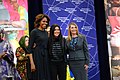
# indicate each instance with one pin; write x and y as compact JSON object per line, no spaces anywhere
{"x":32,"y":63}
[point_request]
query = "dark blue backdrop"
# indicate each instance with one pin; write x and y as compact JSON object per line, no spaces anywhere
{"x":98,"y":30}
{"x":82,"y":12}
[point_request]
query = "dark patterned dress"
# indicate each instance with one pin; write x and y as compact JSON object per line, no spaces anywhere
{"x":22,"y":60}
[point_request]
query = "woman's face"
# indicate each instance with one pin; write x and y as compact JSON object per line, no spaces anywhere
{"x":26,"y":41}
{"x":43,"y":23}
{"x":56,"y":31}
{"x":73,"y":29}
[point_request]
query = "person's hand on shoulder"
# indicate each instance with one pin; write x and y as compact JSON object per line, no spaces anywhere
{"x":86,"y":67}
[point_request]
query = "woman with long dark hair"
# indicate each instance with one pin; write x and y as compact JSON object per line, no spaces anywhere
{"x":57,"y":54}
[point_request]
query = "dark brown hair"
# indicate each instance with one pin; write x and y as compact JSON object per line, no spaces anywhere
{"x":38,"y":18}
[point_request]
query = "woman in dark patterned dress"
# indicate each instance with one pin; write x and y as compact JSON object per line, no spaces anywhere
{"x":39,"y":55}
{"x":22,"y":57}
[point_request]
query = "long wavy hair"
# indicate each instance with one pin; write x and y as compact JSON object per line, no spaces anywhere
{"x":69,"y":32}
{"x":38,"y":19}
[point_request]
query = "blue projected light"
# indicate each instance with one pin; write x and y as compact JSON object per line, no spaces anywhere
{"x":62,"y":12}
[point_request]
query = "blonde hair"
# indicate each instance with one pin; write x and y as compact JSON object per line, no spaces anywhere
{"x":69,"y":32}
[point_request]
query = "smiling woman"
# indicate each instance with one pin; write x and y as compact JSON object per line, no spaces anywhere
{"x":57,"y":53}
{"x":38,"y":53}
{"x":78,"y":52}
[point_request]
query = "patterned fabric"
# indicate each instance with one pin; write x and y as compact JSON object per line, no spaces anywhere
{"x":73,"y":42}
{"x":56,"y":54}
{"x":7,"y":67}
{"x":21,"y":62}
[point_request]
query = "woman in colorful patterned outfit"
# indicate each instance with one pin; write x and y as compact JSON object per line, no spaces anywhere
{"x":7,"y":67}
{"x":23,"y":57}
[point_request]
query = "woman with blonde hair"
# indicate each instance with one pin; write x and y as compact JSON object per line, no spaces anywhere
{"x":78,"y":52}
